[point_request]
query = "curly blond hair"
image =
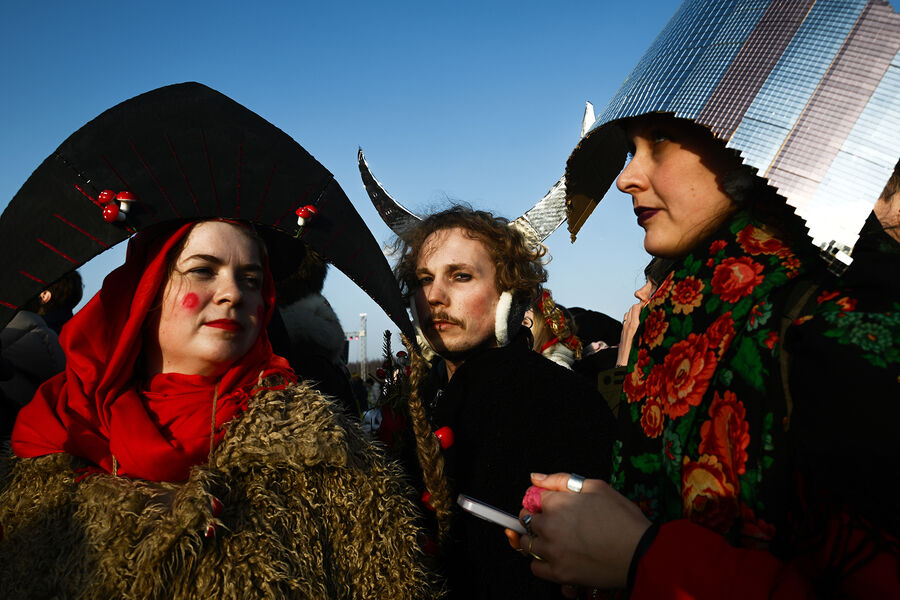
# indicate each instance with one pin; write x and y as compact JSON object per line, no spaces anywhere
{"x":520,"y":268}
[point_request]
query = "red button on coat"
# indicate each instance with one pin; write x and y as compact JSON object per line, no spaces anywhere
{"x":445,"y":437}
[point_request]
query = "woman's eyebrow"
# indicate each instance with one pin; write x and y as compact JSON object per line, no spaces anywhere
{"x":205,"y":257}
{"x":212,"y":258}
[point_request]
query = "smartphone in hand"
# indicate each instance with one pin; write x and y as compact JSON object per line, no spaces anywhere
{"x":489,"y":513}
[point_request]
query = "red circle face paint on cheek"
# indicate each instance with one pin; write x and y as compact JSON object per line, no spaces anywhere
{"x":190,"y":301}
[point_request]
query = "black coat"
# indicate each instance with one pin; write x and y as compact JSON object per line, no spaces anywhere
{"x":513,"y":412}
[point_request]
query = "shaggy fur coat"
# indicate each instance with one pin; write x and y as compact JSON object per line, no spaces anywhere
{"x":295,"y":505}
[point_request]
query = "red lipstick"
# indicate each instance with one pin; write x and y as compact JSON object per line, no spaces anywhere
{"x":644,"y":214}
{"x":226,"y":324}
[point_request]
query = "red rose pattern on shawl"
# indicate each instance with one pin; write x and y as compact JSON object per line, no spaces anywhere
{"x":694,"y":423}
{"x":655,"y":326}
{"x":685,"y":374}
{"x":652,"y":418}
{"x":662,"y":292}
{"x":687,"y":295}
{"x":721,"y":332}
{"x":726,"y":435}
{"x":756,"y":240}
{"x":635,"y":382}
{"x":709,"y":499}
{"x":736,"y":278}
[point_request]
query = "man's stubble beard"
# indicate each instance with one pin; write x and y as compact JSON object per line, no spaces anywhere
{"x":459,"y":356}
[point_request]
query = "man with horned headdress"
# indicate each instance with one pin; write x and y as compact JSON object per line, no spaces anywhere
{"x":490,"y":410}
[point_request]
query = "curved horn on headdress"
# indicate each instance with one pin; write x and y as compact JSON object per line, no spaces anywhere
{"x":546,"y":216}
{"x":588,"y":121}
{"x":536,"y":224}
{"x":549,"y":213}
{"x":395,"y":215}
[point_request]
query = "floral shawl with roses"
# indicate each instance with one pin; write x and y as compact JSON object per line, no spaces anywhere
{"x":704,"y":413}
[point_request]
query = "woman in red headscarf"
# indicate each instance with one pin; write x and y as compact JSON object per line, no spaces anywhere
{"x":176,"y":455}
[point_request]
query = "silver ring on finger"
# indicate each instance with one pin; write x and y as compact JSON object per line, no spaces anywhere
{"x":526,"y":522}
{"x":575,"y":483}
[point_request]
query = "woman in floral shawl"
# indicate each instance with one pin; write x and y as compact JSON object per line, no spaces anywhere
{"x":747,"y":478}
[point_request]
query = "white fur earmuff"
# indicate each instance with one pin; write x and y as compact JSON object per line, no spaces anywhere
{"x":501,"y":320}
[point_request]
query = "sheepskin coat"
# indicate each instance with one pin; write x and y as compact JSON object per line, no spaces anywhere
{"x":296,"y":504}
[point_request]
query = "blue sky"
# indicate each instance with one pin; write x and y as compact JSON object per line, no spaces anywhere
{"x":473,"y":101}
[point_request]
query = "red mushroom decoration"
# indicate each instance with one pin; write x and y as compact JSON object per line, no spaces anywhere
{"x":111,"y":213}
{"x":125,"y":199}
{"x":305,"y":214}
{"x":115,"y":205}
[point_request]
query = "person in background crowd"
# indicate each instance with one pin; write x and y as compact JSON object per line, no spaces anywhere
{"x":305,"y":329}
{"x":553,"y":331}
{"x":599,"y":334}
{"x":655,"y":272}
{"x":597,"y":331}
{"x":30,"y":349}
{"x":56,"y":303}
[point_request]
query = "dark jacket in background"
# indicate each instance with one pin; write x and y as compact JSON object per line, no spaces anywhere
{"x":31,"y":355}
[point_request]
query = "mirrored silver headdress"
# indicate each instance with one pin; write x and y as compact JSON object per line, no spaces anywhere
{"x":808,"y":91}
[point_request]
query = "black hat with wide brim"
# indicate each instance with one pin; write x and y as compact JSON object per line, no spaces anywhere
{"x":182,"y":152}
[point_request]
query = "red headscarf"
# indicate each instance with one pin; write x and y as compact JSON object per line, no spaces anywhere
{"x":96,"y":409}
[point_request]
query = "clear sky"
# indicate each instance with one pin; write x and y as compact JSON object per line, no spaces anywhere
{"x":473,"y":101}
